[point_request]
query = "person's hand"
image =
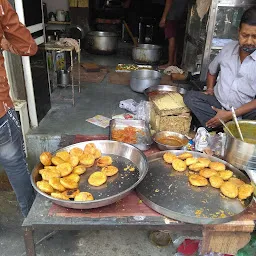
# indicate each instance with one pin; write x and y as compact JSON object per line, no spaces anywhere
{"x":162,"y":23}
{"x":209,"y":91}
{"x":220,"y":114}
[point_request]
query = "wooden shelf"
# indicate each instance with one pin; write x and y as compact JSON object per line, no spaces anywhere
{"x":59,"y":22}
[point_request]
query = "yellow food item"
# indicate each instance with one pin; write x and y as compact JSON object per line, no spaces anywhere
{"x":179,"y":165}
{"x":64,"y":169}
{"x":71,"y":193}
{"x":76,"y":151}
{"x":236,"y":181}
{"x":245,"y":191}
{"x":197,"y":180}
{"x":59,"y":196}
{"x":196,"y":167}
{"x":229,"y":189}
{"x":64,"y":155}
{"x":216,"y":181}
{"x":207,"y":173}
{"x":104,"y":161}
{"x":191,"y":160}
{"x":90,"y":148}
{"x":74,"y":177}
{"x":50,"y":167}
{"x":57,"y":160}
{"x":169,"y":157}
{"x":42,"y":171}
{"x":206,"y":162}
{"x":97,"y":154}
{"x":110,"y":170}
{"x":217,"y":166}
{"x":97,"y":179}
{"x":44,"y":186}
{"x":45,"y":158}
{"x":74,"y":160}
{"x":87,"y":160}
{"x":84,"y":196}
{"x":47,"y":174}
{"x":55,"y":183}
{"x":185,"y":155}
{"x":225,"y":175}
{"x":80,"y":169}
{"x":67,"y":183}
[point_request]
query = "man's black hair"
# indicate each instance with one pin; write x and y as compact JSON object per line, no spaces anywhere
{"x":249,"y":17}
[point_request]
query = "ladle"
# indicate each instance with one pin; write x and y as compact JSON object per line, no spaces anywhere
{"x":237,"y":124}
{"x":231,"y":134}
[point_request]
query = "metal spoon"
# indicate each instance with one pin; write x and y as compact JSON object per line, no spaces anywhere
{"x":237,"y":124}
{"x":231,"y":134}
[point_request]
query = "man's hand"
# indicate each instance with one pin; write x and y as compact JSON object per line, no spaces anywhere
{"x":162,"y":23}
{"x":209,"y":91}
{"x":220,"y":114}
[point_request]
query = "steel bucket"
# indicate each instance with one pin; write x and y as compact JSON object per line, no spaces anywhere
{"x":63,"y":77}
{"x":146,"y":54}
{"x":239,"y":153}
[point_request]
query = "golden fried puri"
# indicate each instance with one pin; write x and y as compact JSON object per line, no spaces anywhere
{"x":87,"y":160}
{"x":80,"y":169}
{"x":191,"y":160}
{"x":90,"y":148}
{"x":197,"y":180}
{"x":42,"y":171}
{"x":179,"y":165}
{"x":71,"y":193}
{"x":216,"y":181}
{"x":64,"y":169}
{"x":57,"y":160}
{"x":69,"y":184}
{"x":44,"y":186}
{"x":217,"y":166}
{"x":110,"y":170}
{"x":196,"y":167}
{"x":229,"y":189}
{"x":74,"y":177}
{"x":74,"y":160}
{"x":205,"y":161}
{"x":185,"y":156}
{"x":225,"y":175}
{"x":47,"y":174}
{"x":236,"y":181}
{"x":97,"y":179}
{"x":59,"y":196}
{"x":169,"y":157}
{"x":50,"y":167}
{"x":45,"y":158}
{"x":104,"y":161}
{"x":55,"y":183}
{"x":245,"y":191}
{"x":207,"y":173}
{"x":64,"y":155}
{"x":84,"y":196}
{"x":76,"y":152}
{"x":97,"y":154}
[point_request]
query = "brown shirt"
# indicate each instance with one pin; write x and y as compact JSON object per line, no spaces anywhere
{"x":15,"y":38}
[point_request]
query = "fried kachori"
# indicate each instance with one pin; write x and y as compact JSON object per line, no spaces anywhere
{"x":169,"y":157}
{"x":55,"y":183}
{"x":87,"y":160}
{"x":110,"y":170}
{"x":216,"y":181}
{"x":80,"y":169}
{"x":71,"y":193}
{"x":74,"y":160}
{"x":217,"y":166}
{"x":46,"y":158}
{"x":57,"y":160}
{"x":229,"y":189}
{"x":69,"y":184}
{"x":185,"y":155}
{"x":191,"y":160}
{"x":50,"y":167}
{"x":196,"y":167}
{"x":59,"y":196}
{"x":207,"y":173}
{"x":236,"y":181}
{"x":74,"y":177}
{"x":76,"y":151}
{"x":42,"y":170}
{"x":197,"y":180}
{"x":97,"y":179}
{"x":64,"y":169}
{"x":44,"y":186}
{"x":245,"y":191}
{"x":205,"y":161}
{"x":84,"y":196}
{"x":225,"y":175}
{"x":97,"y":154}
{"x":104,"y":161}
{"x":179,"y":165}
{"x":47,"y":174}
{"x":90,"y":148}
{"x":64,"y":155}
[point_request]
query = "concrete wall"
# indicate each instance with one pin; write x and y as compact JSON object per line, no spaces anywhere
{"x":53,"y":5}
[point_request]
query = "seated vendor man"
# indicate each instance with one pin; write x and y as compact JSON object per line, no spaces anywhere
{"x":231,"y":80}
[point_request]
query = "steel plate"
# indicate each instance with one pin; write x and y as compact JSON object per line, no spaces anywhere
{"x":117,"y":186}
{"x":169,"y":193}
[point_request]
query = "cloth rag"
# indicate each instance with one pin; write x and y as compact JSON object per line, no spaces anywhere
{"x":69,"y":42}
{"x":202,"y":7}
{"x":173,"y":69}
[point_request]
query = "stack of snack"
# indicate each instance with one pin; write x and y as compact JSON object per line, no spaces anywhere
{"x":169,"y":113}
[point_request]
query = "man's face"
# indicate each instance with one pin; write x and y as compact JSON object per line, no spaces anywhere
{"x":247,"y":38}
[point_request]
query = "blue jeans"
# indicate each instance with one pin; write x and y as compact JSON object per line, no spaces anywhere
{"x":13,"y":160}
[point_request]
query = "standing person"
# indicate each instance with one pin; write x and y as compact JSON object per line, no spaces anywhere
{"x":17,"y":39}
{"x":172,"y":15}
{"x":231,"y":79}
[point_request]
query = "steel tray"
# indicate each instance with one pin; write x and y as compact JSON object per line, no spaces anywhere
{"x":117,"y":186}
{"x":169,"y":193}
{"x":144,"y":141}
{"x":164,"y":89}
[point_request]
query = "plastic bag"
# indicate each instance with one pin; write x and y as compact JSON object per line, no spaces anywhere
{"x":143,"y":111}
{"x":129,"y":105}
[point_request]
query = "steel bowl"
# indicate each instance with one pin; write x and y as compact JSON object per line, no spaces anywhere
{"x":143,"y":79}
{"x":161,"y":146}
{"x":158,"y":89}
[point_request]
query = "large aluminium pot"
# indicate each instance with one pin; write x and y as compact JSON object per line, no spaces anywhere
{"x":242,"y":154}
{"x":146,"y":54}
{"x":100,"y":42}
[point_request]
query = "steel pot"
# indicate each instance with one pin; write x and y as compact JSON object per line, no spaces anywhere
{"x":146,"y":53}
{"x":143,"y":79}
{"x":63,"y":77}
{"x":239,"y":153}
{"x":100,"y":42}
